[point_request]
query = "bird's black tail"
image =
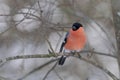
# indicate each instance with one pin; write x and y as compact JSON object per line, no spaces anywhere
{"x":62,"y":60}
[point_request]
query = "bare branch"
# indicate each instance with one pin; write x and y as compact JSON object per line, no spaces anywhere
{"x":50,"y":45}
{"x":58,"y":75}
{"x":5,"y":30}
{"x":50,"y":71}
{"x":100,"y":67}
{"x":99,"y":53}
{"x":26,"y":57}
{"x":50,"y":55}
{"x":30,"y":15}
{"x":58,"y":54}
{"x":40,"y":9}
{"x":38,"y":68}
{"x":24,"y":16}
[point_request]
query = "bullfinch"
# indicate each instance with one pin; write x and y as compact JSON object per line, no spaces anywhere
{"x":74,"y":40}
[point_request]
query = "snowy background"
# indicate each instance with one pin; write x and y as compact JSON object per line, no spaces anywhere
{"x":26,"y":24}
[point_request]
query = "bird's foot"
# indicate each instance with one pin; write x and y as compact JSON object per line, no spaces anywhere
{"x":72,"y":53}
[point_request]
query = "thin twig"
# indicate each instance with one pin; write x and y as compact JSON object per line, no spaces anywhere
{"x":50,"y":45}
{"x":40,"y":9}
{"x":58,"y":42}
{"x":24,"y":16}
{"x":38,"y":68}
{"x":100,"y":67}
{"x":58,"y":75}
{"x":50,"y":71}
{"x":99,"y":53}
{"x":37,"y":17}
{"x":5,"y":30}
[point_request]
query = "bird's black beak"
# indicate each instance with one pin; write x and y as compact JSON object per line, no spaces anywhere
{"x":73,"y":28}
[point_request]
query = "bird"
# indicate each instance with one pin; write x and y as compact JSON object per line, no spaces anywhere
{"x":75,"y":40}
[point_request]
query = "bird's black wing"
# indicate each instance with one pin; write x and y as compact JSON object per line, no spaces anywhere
{"x":64,"y":42}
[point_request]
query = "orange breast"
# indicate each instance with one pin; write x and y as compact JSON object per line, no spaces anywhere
{"x":76,"y":40}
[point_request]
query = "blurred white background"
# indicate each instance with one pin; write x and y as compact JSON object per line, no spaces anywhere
{"x":25,"y":25}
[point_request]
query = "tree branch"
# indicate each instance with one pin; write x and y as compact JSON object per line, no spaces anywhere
{"x":50,"y":55}
{"x":50,"y":71}
{"x":99,"y":53}
{"x":101,"y":68}
{"x":38,"y":68}
{"x":58,"y":75}
{"x":58,"y":54}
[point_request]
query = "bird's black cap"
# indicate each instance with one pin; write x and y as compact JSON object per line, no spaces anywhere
{"x":76,"y":26}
